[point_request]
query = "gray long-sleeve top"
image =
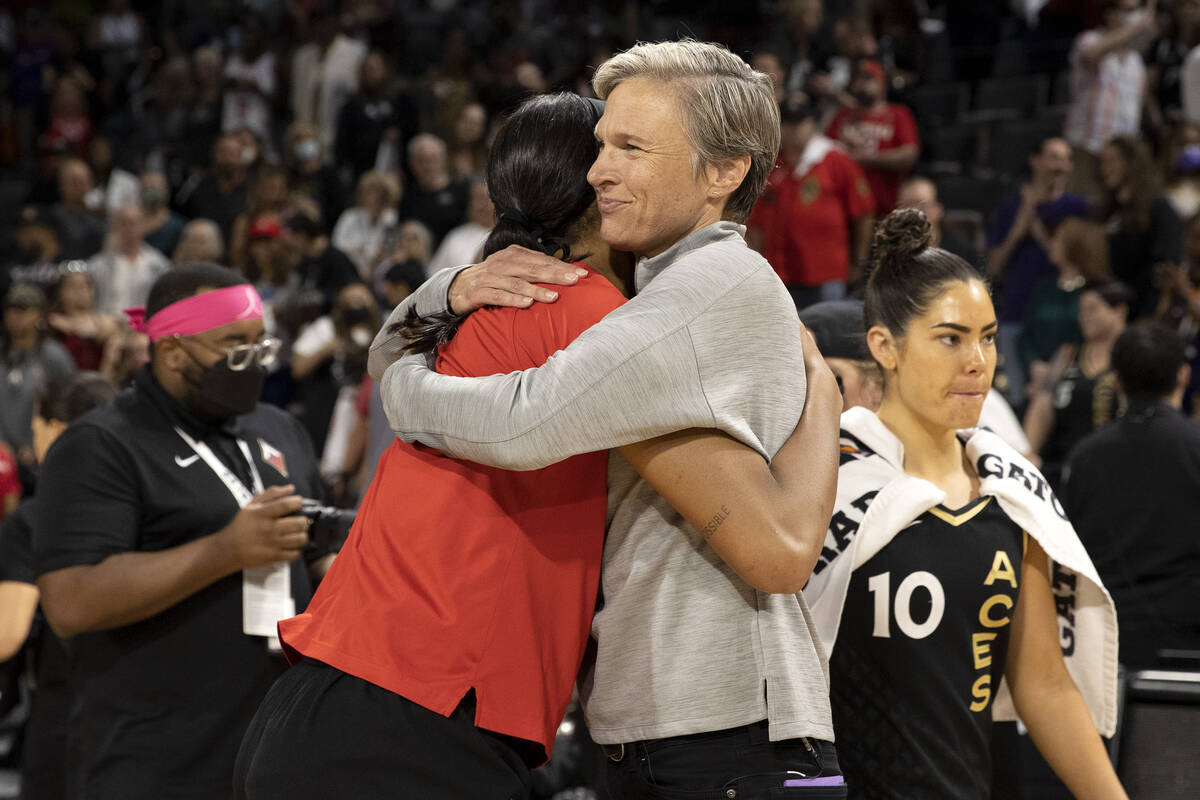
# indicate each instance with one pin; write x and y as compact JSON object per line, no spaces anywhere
{"x":710,"y":341}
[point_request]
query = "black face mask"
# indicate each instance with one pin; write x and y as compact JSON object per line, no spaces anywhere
{"x":222,"y":393}
{"x":355,"y":315}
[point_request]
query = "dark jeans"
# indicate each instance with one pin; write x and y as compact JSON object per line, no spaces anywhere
{"x":321,"y":734}
{"x":736,"y":764}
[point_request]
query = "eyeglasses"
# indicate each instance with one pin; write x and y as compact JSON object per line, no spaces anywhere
{"x":239,"y":357}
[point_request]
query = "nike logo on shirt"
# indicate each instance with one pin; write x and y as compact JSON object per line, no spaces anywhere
{"x":186,"y":462}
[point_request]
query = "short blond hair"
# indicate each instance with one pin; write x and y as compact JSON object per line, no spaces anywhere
{"x":729,"y":109}
{"x":374,"y":179}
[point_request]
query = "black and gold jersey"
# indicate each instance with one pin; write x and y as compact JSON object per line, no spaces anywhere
{"x":920,"y":654}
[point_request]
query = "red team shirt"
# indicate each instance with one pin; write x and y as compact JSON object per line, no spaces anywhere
{"x":458,"y":576}
{"x":885,"y":130}
{"x":805,"y":221}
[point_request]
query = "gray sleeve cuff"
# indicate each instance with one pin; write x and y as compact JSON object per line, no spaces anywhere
{"x":430,"y":299}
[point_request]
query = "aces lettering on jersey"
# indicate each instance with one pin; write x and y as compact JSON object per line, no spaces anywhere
{"x":996,"y":612}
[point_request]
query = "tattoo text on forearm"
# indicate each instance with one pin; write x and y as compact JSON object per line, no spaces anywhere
{"x":717,"y":521}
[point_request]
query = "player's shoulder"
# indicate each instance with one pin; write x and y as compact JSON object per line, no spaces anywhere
{"x":588,"y":300}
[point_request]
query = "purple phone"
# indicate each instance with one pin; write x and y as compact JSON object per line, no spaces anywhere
{"x":832,"y":780}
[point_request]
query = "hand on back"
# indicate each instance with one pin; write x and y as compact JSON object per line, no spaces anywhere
{"x":507,"y":278}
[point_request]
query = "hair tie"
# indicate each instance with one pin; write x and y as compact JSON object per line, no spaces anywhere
{"x":515,"y":217}
{"x":519,"y":219}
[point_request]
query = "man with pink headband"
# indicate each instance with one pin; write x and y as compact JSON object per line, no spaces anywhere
{"x":174,"y":545}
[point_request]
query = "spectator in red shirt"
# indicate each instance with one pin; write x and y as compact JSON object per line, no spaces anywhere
{"x":880,"y":136}
{"x":69,"y":129}
{"x":813,"y":221}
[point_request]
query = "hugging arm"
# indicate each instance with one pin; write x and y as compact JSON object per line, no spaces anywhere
{"x":505,"y":278}
{"x":631,"y":377}
{"x":766,"y":521}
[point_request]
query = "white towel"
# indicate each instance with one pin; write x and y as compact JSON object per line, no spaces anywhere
{"x":876,"y":501}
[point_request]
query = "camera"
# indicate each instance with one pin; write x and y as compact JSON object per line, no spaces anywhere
{"x":328,"y":526}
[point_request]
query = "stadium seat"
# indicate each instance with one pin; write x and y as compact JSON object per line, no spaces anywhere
{"x":958,"y":144}
{"x":938,"y":104}
{"x":1012,"y":58}
{"x":938,"y":66}
{"x":1011,"y":143}
{"x":1016,"y":97}
{"x":964,"y":192}
{"x":1060,"y":89}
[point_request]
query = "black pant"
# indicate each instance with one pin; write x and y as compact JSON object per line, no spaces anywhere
{"x":740,"y":763}
{"x":321,"y":733}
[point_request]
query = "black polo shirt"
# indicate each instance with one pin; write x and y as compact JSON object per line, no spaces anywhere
{"x":163,"y":703}
{"x":1132,"y":491}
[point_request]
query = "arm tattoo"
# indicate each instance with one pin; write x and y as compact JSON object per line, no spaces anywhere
{"x":716,"y":522}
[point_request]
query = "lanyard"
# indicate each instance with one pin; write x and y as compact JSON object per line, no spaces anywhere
{"x":240,"y":493}
{"x":266,"y":590}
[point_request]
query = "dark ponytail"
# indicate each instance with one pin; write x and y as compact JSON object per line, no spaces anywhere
{"x":537,"y":180}
{"x":537,"y":173}
{"x":907,"y":273}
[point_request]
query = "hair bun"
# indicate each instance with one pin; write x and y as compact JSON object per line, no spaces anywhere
{"x":903,"y":234}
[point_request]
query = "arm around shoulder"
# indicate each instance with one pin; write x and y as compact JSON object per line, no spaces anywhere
{"x":766,"y":521}
{"x":504,"y":278}
{"x":631,"y":377}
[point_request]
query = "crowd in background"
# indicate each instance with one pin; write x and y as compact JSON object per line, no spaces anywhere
{"x":334,"y":154}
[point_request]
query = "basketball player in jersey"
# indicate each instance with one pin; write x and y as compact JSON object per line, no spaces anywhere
{"x":956,"y":596}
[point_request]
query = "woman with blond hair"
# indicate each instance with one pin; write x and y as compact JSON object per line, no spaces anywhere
{"x":362,"y":231}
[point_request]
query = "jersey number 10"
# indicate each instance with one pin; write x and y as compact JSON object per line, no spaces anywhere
{"x":880,"y":588}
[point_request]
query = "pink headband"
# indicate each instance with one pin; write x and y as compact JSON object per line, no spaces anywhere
{"x":199,"y":313}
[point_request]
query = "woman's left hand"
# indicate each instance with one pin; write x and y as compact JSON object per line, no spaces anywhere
{"x":507,"y":278}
